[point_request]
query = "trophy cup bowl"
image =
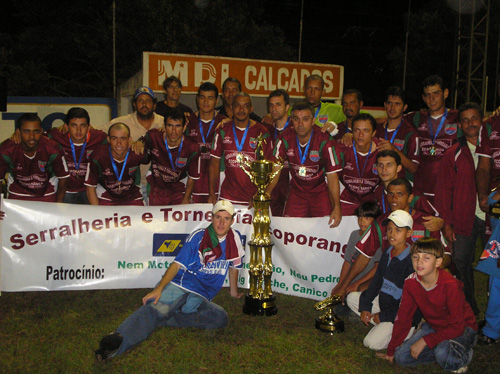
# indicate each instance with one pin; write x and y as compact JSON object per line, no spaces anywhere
{"x":329,"y":322}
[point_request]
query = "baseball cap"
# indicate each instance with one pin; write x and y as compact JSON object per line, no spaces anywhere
{"x":401,"y":218}
{"x":144,"y":90}
{"x":223,"y":205}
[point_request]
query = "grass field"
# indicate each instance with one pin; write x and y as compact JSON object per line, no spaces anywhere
{"x":56,"y":332}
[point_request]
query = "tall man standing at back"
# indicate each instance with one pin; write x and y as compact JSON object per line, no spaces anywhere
{"x":173,"y":88}
{"x":437,"y":131}
{"x":323,"y":112}
{"x":234,"y":141}
{"x":36,"y":166}
{"x":230,"y":88}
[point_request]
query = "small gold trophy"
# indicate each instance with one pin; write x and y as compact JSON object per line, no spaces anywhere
{"x":329,"y":322}
{"x":260,"y":299}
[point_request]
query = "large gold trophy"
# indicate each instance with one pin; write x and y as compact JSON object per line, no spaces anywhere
{"x":260,"y":299}
{"x":329,"y":322}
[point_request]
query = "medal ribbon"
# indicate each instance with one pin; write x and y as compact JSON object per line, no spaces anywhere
{"x":203,"y":138}
{"x":383,"y":201}
{"x":356,"y":158}
{"x":239,"y":146}
{"x":303,"y":156}
{"x":77,"y":165}
{"x":170,"y":153}
{"x":114,"y":165}
{"x":284,"y":127}
{"x":395,"y":131}
{"x":441,"y":123}
{"x":317,"y":110}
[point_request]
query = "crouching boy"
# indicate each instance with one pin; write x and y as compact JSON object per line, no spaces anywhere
{"x":379,"y":303}
{"x":450,"y":328}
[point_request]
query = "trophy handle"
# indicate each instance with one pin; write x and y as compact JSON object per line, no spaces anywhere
{"x":245,"y":162}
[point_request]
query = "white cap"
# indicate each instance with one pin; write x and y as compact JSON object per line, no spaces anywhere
{"x":401,"y":218}
{"x":223,"y":205}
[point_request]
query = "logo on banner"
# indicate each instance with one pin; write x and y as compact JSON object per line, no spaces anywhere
{"x":41,"y":165}
{"x":168,"y":245}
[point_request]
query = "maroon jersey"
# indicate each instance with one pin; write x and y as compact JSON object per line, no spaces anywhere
{"x":33,"y":178}
{"x":77,"y":176}
{"x":401,"y":136}
{"x":358,"y":179}
{"x":426,"y":152}
{"x":237,"y":186}
{"x":109,"y":189}
{"x":322,"y":158}
{"x":205,"y":145}
{"x":162,"y":175}
{"x":489,"y":146}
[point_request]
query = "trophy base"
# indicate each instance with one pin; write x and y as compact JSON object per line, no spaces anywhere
{"x":330,"y":324}
{"x":260,"y":307}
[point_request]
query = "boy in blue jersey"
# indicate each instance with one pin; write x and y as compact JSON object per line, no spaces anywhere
{"x":182,"y":297}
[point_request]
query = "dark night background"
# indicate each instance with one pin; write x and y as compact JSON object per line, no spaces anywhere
{"x":58,"y":48}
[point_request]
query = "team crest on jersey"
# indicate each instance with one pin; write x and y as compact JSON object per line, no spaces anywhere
{"x":494,"y":135}
{"x":450,"y":129}
{"x":399,"y":144}
{"x":89,"y":152}
{"x":253,"y":142}
{"x":227,"y":140}
{"x":132,"y":170}
{"x":417,"y":234}
{"x":181,"y":162}
{"x":314,"y":156}
{"x":322,"y":119}
{"x":193,"y":133}
{"x":374,"y":169}
{"x":41,"y":165}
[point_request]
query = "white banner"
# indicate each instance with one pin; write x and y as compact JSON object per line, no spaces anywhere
{"x":48,"y":246}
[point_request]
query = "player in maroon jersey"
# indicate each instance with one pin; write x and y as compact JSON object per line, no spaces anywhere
{"x":312,"y":157}
{"x":77,"y":143}
{"x":278,"y":104}
{"x":36,"y":166}
{"x":234,"y":141}
{"x":352,"y":102}
{"x":396,"y":133}
{"x":201,"y":128}
{"x":173,"y":157}
{"x":113,"y":175}
{"x":359,"y":173}
{"x":437,"y":130}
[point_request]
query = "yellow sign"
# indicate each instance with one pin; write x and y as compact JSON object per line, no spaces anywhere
{"x":169,"y":245}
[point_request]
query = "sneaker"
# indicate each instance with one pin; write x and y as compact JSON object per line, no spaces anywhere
{"x":108,"y":346}
{"x":484,"y":339}
{"x":463,"y":369}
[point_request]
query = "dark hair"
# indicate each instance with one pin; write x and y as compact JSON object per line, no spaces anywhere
{"x":209,"y":86}
{"x":432,"y":81}
{"x":177,"y":115}
{"x":277,"y":93}
{"x":315,"y":77}
{"x":428,"y":245}
{"x":28,"y":117}
{"x":470,"y":105}
{"x":390,"y":153}
{"x":402,"y":182}
{"x":233,"y":80}
{"x":368,"y":209}
{"x":167,"y":82}
{"x":395,"y":91}
{"x":302,"y":105}
{"x":77,"y":113}
{"x":365,"y":117}
{"x":120,"y":125}
{"x":352,"y":91}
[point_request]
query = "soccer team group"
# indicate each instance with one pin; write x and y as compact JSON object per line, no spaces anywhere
{"x":419,"y":184}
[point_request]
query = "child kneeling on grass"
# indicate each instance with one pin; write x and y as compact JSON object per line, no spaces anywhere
{"x":379,"y":304}
{"x":450,"y":328}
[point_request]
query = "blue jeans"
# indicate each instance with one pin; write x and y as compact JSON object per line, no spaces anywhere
{"x":175,"y":308}
{"x":449,"y":354}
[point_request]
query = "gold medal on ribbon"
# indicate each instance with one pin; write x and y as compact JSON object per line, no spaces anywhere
{"x":239,"y":158}
{"x":432,"y":151}
{"x":302,"y":171}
